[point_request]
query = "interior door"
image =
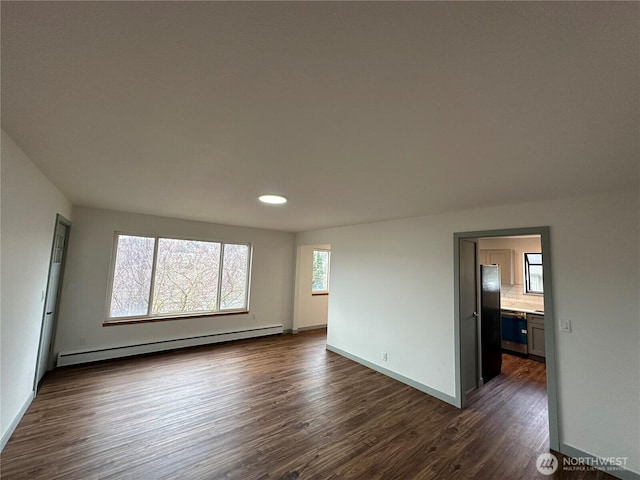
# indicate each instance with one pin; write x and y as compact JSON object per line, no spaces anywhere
{"x":468,"y":315}
{"x":45,"y":362}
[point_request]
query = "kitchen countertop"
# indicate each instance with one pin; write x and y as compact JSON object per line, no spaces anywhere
{"x":523,"y":310}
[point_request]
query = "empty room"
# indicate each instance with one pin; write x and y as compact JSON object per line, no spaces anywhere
{"x":320,"y":240}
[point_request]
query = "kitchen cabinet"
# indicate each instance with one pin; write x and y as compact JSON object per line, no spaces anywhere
{"x":504,"y":258}
{"x":535,"y":334}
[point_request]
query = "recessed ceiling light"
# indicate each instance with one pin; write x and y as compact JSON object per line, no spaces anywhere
{"x":273,"y":199}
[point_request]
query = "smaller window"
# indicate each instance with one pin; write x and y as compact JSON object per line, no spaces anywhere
{"x":533,"y":273}
{"x":320,"y":278}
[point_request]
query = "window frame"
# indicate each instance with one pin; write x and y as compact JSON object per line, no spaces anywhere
{"x":328,"y":252}
{"x":527,"y":277}
{"x":150,"y":317}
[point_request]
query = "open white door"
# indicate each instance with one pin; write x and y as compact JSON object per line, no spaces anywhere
{"x":49,"y":319}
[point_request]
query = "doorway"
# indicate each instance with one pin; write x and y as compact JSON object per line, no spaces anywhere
{"x":468,"y":372}
{"x":46,"y":358}
{"x":312,"y":285}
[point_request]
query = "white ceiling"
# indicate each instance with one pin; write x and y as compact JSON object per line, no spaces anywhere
{"x":355,"y":111}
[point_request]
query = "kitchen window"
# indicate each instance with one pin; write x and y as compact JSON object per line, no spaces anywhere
{"x":320,"y":272}
{"x":533,"y":273}
{"x":155,"y":278}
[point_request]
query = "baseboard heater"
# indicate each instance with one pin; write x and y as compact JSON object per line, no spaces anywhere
{"x":95,"y":355}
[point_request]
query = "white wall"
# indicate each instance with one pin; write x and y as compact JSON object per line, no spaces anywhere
{"x":392,"y":290}
{"x":30,"y":203}
{"x":84,"y":294}
{"x":309,"y":310}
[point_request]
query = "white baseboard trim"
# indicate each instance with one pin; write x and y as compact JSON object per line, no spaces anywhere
{"x":16,"y":420}
{"x":311,"y":327}
{"x":396,"y":376}
{"x":95,"y":355}
{"x":600,"y":464}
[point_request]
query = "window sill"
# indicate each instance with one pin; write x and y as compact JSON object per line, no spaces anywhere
{"x":133,"y":321}
{"x":314,"y":294}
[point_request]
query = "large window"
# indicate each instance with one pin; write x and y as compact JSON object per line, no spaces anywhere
{"x":320,"y":272}
{"x":155,"y":277}
{"x":533,"y":273}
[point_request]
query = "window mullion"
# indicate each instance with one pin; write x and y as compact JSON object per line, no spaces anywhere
{"x":220,"y":267}
{"x":153,"y":276}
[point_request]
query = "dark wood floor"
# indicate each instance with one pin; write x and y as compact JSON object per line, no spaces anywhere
{"x":278,"y":407}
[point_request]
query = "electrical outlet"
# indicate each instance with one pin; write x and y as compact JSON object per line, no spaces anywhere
{"x":565,"y":326}
{"x":384,"y":356}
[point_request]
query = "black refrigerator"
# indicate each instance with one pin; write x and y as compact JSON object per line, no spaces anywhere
{"x":490,"y":321}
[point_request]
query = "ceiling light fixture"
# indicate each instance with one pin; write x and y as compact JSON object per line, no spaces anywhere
{"x":272,"y":199}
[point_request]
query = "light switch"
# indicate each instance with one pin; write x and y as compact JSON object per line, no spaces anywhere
{"x":565,"y":326}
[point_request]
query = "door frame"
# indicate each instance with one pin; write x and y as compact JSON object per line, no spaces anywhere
{"x":59,"y":220}
{"x":549,"y":319}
